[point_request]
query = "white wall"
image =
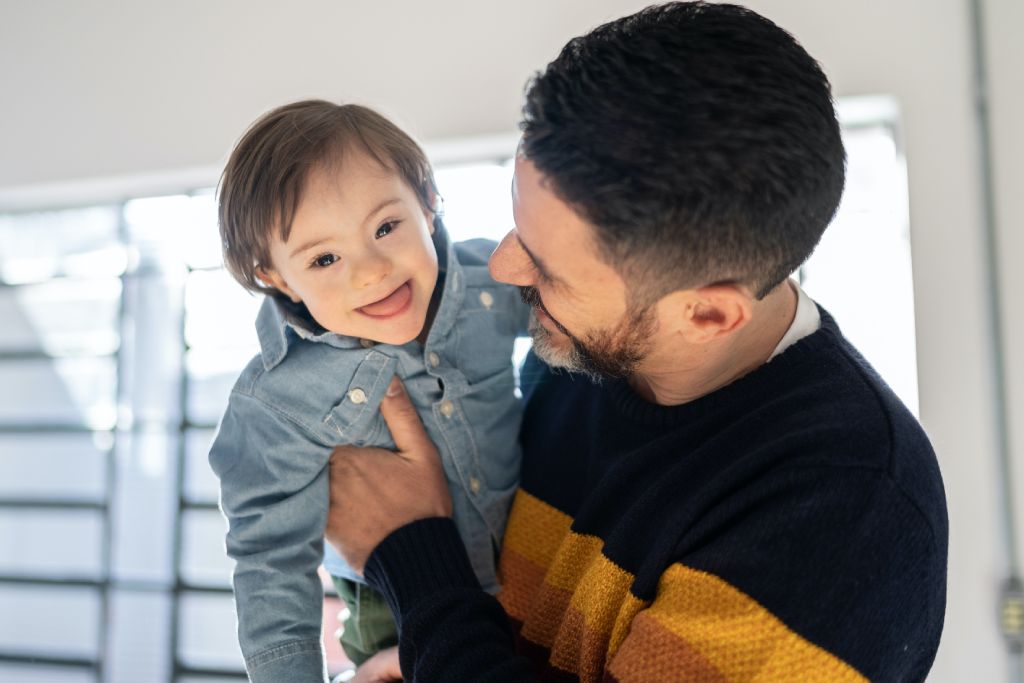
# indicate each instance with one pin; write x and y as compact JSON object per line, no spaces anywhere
{"x":113,"y":87}
{"x":1004,"y":25}
{"x":96,"y":89}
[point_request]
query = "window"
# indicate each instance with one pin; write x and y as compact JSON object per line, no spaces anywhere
{"x":861,"y":271}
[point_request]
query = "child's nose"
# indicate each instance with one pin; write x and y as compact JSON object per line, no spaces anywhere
{"x":370,"y":270}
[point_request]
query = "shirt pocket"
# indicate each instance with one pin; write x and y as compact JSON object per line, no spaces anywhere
{"x":486,"y":329}
{"x":354,"y":419}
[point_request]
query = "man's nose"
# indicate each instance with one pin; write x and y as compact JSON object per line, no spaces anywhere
{"x":509,"y":263}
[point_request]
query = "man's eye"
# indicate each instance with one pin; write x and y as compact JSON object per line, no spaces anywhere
{"x":385,"y":229}
{"x":324,"y":260}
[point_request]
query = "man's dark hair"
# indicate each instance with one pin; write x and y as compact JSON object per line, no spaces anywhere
{"x":699,"y":139}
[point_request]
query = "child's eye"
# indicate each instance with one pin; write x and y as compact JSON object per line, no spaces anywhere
{"x":323,"y":260}
{"x":385,"y":229}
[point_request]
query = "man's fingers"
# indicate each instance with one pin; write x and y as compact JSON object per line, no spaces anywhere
{"x":383,"y":666}
{"x":402,"y":420}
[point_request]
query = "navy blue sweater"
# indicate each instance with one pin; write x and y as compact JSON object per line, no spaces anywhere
{"x":789,"y":526}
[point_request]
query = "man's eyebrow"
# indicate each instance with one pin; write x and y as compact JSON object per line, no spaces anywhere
{"x":320,"y":240}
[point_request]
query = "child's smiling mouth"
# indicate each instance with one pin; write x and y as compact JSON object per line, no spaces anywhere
{"x":393,"y":304}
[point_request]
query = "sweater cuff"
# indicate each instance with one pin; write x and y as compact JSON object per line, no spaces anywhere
{"x":418,"y":560}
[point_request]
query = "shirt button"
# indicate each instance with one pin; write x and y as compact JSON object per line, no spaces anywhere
{"x":447,"y":409}
{"x":357,"y":396}
{"x":433,"y":359}
{"x":487,"y":299}
{"x":474,"y":485}
{"x":367,"y":343}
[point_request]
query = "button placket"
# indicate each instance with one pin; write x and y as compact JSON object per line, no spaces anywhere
{"x":454,"y":424}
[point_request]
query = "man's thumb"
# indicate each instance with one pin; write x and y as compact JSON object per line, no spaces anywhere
{"x":402,"y":420}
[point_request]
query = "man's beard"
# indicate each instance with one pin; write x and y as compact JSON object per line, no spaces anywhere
{"x":611,"y":353}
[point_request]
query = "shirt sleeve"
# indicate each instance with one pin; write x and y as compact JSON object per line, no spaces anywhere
{"x":274,"y":493}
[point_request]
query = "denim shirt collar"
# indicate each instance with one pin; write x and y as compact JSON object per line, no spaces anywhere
{"x":279,"y":322}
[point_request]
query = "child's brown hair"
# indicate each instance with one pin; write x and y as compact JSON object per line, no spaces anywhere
{"x":262,"y":184}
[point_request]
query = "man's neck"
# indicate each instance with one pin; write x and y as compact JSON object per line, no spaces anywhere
{"x":677,"y":374}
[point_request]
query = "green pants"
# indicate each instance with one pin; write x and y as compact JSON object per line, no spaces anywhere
{"x":370,"y":627}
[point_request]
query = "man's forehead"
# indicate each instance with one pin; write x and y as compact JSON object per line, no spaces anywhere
{"x":537,"y":214}
{"x":524,"y":170}
{"x":551,"y":232}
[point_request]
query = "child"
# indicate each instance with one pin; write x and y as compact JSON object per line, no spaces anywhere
{"x":330,"y":211}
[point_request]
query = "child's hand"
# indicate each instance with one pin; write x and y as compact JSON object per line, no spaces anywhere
{"x":376,"y":491}
{"x":380,"y":668}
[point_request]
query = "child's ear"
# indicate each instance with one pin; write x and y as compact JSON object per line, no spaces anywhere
{"x":271,"y":278}
{"x":436,"y":204}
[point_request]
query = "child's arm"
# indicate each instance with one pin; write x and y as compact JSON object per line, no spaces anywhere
{"x":274,"y":494}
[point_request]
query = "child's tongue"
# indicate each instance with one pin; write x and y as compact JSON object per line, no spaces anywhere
{"x":390,"y":304}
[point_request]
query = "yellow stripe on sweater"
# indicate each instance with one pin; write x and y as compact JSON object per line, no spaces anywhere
{"x":737,"y":636}
{"x":582,"y":590}
{"x":576,"y":602}
{"x":535,"y":529}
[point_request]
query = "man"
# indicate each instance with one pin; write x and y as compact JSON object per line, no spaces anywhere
{"x":740,"y":497}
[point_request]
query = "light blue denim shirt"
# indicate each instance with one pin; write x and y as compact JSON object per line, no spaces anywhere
{"x":310,"y":390}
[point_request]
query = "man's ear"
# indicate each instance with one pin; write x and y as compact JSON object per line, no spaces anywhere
{"x":709,"y":313}
{"x":271,"y":278}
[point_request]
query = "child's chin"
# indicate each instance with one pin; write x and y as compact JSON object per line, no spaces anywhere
{"x":396,"y":340}
{"x":398,"y":337}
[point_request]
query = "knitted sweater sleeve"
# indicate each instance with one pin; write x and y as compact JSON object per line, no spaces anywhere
{"x":449,"y":628}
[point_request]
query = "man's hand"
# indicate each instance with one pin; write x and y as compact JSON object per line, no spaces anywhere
{"x":375,"y":491}
{"x":380,"y":668}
